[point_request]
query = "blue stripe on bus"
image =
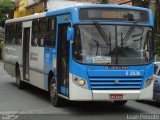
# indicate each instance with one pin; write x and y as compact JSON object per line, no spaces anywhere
{"x":49,"y":54}
{"x":63,"y":19}
{"x":64,"y":90}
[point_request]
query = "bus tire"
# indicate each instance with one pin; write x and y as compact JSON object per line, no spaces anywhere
{"x":19,"y":82}
{"x":123,"y":102}
{"x":55,"y":99}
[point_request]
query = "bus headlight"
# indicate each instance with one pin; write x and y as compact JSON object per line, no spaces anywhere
{"x":80,"y":82}
{"x":148,"y":82}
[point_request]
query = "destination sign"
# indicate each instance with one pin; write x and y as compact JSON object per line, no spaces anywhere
{"x":113,"y":14}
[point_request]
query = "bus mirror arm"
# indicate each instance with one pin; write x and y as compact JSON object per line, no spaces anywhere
{"x":70,"y":33}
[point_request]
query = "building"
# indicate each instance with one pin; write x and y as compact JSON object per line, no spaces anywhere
{"x":29,"y":7}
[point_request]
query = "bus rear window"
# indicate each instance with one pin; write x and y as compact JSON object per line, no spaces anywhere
{"x":113,"y":14}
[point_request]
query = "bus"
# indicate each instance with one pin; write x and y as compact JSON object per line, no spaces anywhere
{"x":84,"y":53}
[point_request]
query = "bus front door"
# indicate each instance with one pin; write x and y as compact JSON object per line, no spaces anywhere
{"x":63,"y":60}
{"x":26,"y":41}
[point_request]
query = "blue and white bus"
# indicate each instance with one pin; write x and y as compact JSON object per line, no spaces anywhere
{"x":84,"y":53}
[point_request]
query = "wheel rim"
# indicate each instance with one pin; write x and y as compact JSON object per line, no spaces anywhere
{"x":52,"y":90}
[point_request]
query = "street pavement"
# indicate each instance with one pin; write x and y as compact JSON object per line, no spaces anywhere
{"x":32,"y":103}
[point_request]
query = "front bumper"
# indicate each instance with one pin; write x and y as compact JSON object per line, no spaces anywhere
{"x":77,"y":93}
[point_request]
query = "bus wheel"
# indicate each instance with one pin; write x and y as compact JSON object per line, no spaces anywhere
{"x":55,"y":99}
{"x":19,"y":83}
{"x":123,"y":102}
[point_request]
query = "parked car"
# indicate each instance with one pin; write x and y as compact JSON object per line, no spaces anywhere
{"x":156,"y":89}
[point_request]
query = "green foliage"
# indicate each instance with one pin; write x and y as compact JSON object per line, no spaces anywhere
{"x":6,"y":6}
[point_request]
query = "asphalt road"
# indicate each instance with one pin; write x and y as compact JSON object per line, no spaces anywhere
{"x":32,"y":103}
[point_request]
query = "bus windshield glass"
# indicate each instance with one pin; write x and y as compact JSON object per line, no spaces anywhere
{"x":113,"y":44}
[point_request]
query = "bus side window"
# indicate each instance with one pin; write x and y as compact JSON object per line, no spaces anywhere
{"x":42,"y":31}
{"x":7,"y":33}
{"x":18,"y":34}
{"x":12,"y":34}
{"x":51,"y":33}
{"x":34,"y":33}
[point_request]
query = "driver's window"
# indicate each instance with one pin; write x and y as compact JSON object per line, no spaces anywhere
{"x":77,"y":45}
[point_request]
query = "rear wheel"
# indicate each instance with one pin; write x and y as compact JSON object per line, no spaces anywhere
{"x":19,"y":83}
{"x":120,"y":102}
{"x":55,"y":99}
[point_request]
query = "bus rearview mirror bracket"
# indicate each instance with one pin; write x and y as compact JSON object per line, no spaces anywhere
{"x":70,"y":33}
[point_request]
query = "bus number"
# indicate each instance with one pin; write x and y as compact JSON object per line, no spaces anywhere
{"x":133,"y":73}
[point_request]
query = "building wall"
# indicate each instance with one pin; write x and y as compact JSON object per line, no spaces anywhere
{"x":28,"y":7}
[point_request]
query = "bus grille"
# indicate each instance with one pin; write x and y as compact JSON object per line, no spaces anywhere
{"x":115,"y":83}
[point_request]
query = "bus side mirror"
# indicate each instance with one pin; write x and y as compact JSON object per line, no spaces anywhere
{"x":70,"y":33}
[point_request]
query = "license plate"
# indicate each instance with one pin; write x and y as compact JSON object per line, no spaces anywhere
{"x":116,"y":97}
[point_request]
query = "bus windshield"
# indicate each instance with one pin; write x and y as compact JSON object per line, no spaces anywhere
{"x":113,"y":44}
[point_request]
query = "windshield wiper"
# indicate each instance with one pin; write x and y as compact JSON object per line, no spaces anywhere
{"x":102,"y":33}
{"x":97,"y":45}
{"x":128,"y":34}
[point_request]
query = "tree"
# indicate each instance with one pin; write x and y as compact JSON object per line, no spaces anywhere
{"x":157,"y":15}
{"x":6,"y":7}
{"x":104,"y":1}
{"x":141,"y":3}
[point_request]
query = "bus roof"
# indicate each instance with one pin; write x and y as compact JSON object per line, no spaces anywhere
{"x":71,"y":9}
{"x":36,"y":15}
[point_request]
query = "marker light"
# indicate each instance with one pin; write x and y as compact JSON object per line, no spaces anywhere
{"x":148,"y":82}
{"x":75,"y":79}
